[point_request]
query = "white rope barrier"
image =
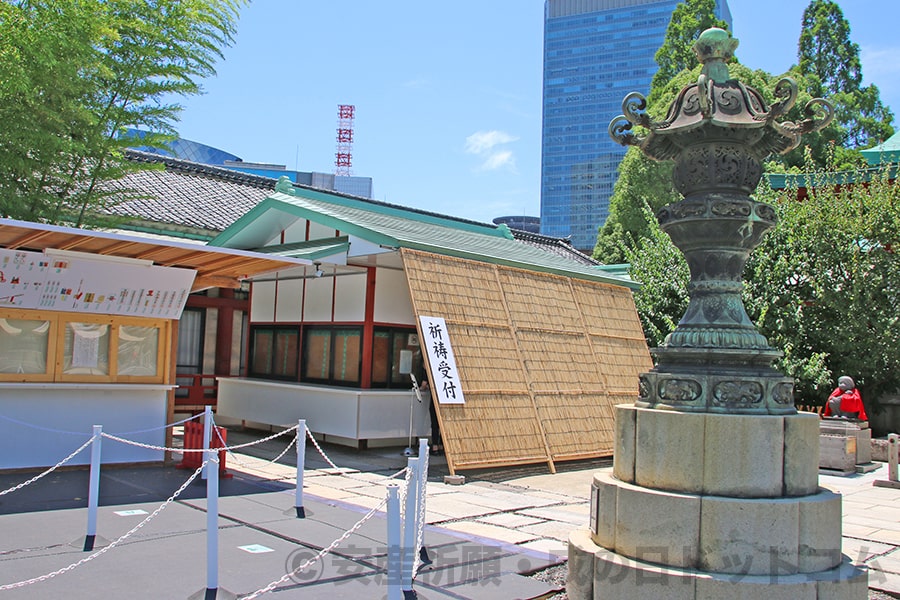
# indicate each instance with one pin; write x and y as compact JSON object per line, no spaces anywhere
{"x":63,"y":431}
{"x":310,"y":435}
{"x":394,"y":550}
{"x":166,"y":426}
{"x":318,"y":556}
{"x":414,"y":507}
{"x":50,"y":470}
{"x":341,"y":471}
{"x":407,"y":479}
{"x":242,"y":463}
{"x":397,"y":474}
{"x":230,"y":449}
{"x":113,"y":544}
{"x":260,"y":441}
{"x":39,"y":427}
{"x":167,"y":449}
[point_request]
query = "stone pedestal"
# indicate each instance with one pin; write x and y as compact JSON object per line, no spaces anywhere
{"x":713,"y":506}
{"x":714,"y":492}
{"x":845,"y":445}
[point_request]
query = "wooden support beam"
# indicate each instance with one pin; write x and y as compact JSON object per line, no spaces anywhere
{"x":28,"y":239}
{"x":203,"y":282}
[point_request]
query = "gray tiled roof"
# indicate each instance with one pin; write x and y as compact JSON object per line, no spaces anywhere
{"x":560,"y":247}
{"x":189,"y":195}
{"x":201,"y":201}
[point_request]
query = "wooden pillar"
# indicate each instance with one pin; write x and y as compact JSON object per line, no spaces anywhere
{"x":368,"y":339}
{"x":224,"y":334}
{"x":169,"y":377}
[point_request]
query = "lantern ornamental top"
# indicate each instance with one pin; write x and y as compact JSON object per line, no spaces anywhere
{"x":714,"y":48}
{"x":718,"y":107}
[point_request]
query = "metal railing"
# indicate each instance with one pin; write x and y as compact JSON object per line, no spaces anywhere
{"x":196,"y":390}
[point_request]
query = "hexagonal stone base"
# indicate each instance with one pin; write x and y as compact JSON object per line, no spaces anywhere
{"x":741,"y":536}
{"x":746,"y":456}
{"x":616,"y":577}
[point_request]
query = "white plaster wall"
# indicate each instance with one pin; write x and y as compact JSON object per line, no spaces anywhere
{"x":50,"y":409}
{"x":317,"y":231}
{"x":318,"y":299}
{"x":262,"y":304}
{"x":392,"y":301}
{"x":350,"y":297}
{"x":296,"y":232}
{"x":289,"y":301}
{"x":349,"y":413}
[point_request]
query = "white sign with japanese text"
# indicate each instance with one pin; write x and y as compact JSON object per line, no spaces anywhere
{"x":442,"y":363}
{"x":35,"y":280}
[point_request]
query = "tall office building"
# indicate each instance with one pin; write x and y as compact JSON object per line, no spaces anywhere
{"x":595,"y":52}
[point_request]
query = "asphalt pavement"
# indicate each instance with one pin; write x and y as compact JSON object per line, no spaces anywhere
{"x":482,"y":539}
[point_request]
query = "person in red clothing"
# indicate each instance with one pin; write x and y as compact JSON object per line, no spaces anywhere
{"x":845,"y":401}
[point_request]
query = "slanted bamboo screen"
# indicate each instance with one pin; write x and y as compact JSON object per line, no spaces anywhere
{"x":542,"y":360}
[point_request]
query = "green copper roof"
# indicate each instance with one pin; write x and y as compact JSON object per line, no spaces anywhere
{"x":619,"y":270}
{"x":885,"y":152}
{"x":397,"y":227}
{"x":781,"y":181}
{"x":312,"y":250}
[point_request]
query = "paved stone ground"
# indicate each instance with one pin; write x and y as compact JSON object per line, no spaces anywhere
{"x":523,"y":516}
{"x":557,"y":576}
{"x":530,"y":508}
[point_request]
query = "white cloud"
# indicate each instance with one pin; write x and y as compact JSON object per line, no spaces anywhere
{"x":497,"y":160}
{"x":485,"y":145}
{"x":482,"y":141}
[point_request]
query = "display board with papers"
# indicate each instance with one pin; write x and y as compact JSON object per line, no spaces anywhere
{"x":34,"y":280}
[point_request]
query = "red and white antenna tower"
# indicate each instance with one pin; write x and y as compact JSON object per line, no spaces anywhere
{"x":344,"y":155}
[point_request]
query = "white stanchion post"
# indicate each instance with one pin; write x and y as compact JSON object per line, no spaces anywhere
{"x":93,"y":490}
{"x":212,"y":524}
{"x":892,"y":460}
{"x":207,"y":430}
{"x":301,"y":464}
{"x":394,"y":561}
{"x":409,"y":525}
{"x":423,"y":484}
{"x":893,"y":441}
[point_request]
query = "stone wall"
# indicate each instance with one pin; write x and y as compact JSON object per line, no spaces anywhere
{"x":887,"y":419}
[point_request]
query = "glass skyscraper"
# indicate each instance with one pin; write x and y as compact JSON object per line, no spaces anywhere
{"x":595,"y":52}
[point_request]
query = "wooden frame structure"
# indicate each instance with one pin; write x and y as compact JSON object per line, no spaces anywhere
{"x":54,"y":361}
{"x":90,"y":365}
{"x":543,"y":359}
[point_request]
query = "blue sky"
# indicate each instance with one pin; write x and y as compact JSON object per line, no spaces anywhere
{"x":447,"y":94}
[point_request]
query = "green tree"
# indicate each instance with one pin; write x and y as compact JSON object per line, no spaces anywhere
{"x":644,"y":181}
{"x":824,"y":286}
{"x":817,"y":150}
{"x":641,"y":180}
{"x":75,"y":74}
{"x":830,"y":63}
{"x":48,"y":60}
{"x":826,"y":52}
{"x":829,"y":67}
{"x":689,"y":19}
{"x":663,"y":272}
